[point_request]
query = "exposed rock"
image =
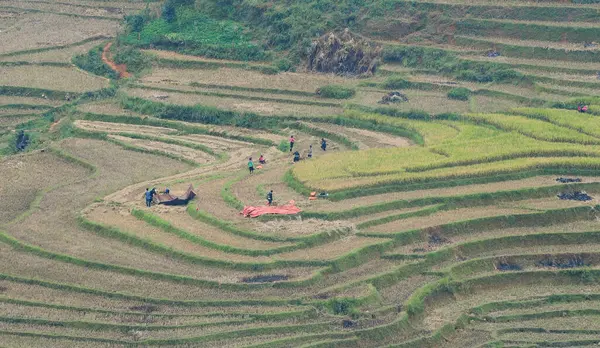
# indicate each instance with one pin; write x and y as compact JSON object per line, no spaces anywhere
{"x":345,"y":54}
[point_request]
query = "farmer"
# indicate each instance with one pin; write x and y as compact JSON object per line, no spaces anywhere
{"x":262,"y":159}
{"x":292,"y":141}
{"x":270,"y":198}
{"x":323,"y":144}
{"x":296,"y":156}
{"x":148,"y":196}
{"x":250,"y":165}
{"x":309,"y":155}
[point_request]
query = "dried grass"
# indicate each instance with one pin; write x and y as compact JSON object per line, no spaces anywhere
{"x":241,"y":105}
{"x":53,"y":78}
{"x":44,"y":30}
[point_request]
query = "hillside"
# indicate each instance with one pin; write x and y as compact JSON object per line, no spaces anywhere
{"x":451,"y":127}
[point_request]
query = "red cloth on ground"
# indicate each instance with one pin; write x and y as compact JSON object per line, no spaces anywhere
{"x":288,"y":209}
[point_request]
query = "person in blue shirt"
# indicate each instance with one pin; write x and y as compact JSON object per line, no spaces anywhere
{"x":149,"y":195}
{"x":270,"y":197}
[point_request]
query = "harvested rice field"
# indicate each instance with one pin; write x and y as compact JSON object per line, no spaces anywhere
{"x":269,"y":108}
{"x":131,"y":216}
{"x":47,"y":30}
{"x":55,"y":78}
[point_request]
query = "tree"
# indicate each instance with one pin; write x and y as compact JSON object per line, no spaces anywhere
{"x":169,"y":11}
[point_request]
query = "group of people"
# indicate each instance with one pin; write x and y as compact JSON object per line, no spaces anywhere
{"x":261,"y":160}
{"x":149,"y":195}
{"x":296,"y":154}
{"x":310,"y":148}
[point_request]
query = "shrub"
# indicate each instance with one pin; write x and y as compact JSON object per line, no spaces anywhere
{"x":269,"y":70}
{"x":396,"y":82}
{"x":460,"y":93}
{"x":337,"y":92}
{"x":133,"y":58}
{"x":284,"y":64}
{"x":284,"y":146}
{"x":92,"y":62}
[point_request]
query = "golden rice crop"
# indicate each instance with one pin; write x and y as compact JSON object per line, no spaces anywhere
{"x":567,"y":118}
{"x":485,"y":169}
{"x":534,"y":128}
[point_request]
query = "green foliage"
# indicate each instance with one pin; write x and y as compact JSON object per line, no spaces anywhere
{"x":133,"y":58}
{"x":459,"y":93}
{"x":188,"y":31}
{"x":284,"y":64}
{"x":92,"y":62}
{"x":395,"y":82}
{"x":337,"y":92}
{"x":526,"y":31}
{"x":447,"y":63}
{"x":168,"y":11}
{"x":283,"y":146}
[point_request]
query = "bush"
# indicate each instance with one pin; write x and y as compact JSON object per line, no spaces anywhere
{"x":284,"y":146}
{"x":284,"y":65}
{"x":133,"y":58}
{"x":337,"y":92}
{"x":269,"y":70}
{"x":460,"y":93}
{"x":92,"y":62}
{"x":396,"y":82}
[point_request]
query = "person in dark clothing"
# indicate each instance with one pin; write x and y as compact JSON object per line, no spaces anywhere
{"x":250,"y":165}
{"x":296,"y":156}
{"x":270,"y":197}
{"x":292,"y":141}
{"x":323,"y":144}
{"x":148,"y":196}
{"x":309,"y":152}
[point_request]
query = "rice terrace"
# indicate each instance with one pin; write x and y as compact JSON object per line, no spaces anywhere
{"x":318,"y":173}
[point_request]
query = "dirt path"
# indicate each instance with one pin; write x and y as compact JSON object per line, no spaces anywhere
{"x":121,"y":69}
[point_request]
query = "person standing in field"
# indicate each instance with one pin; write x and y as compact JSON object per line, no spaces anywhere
{"x":148,"y":196}
{"x":250,"y":165}
{"x":292,"y":141}
{"x":270,"y":198}
{"x":323,"y":144}
{"x":309,"y":155}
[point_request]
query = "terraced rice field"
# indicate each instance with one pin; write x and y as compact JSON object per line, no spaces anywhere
{"x":439,"y":228}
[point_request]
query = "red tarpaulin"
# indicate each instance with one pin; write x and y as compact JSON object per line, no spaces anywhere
{"x":288,"y":209}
